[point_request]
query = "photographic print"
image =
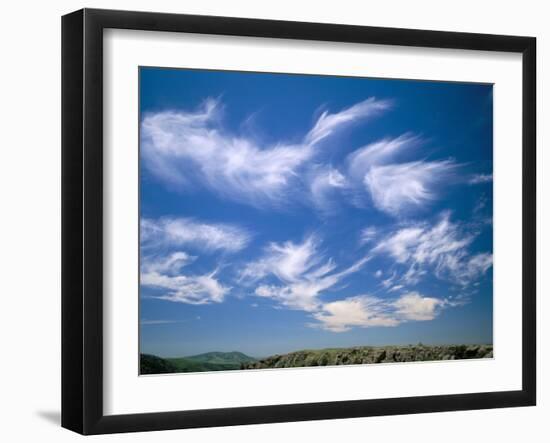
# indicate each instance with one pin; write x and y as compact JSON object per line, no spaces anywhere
{"x":291,"y":220}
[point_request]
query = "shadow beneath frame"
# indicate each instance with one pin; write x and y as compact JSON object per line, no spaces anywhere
{"x":53,"y":417}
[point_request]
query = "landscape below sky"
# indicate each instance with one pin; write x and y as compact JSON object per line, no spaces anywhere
{"x":280,"y":213}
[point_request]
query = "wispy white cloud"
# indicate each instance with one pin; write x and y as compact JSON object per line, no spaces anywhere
{"x":186,"y":149}
{"x":368,"y":234}
{"x":470,"y":268}
{"x":191,"y":148}
{"x":397,"y":187}
{"x":299,"y":296}
{"x":381,"y":152}
{"x":194,"y":289}
{"x":442,"y":248}
{"x":480,"y":178}
{"x":396,"y":288}
{"x":323,"y":183}
{"x":302,"y":271}
{"x":187,"y":231}
{"x":287,"y":261}
{"x":389,"y":281}
{"x":414,"y":274}
{"x":166,"y":273}
{"x":145,"y":322}
{"x":169,"y":264}
{"x":329,"y":123}
{"x":365,"y":311}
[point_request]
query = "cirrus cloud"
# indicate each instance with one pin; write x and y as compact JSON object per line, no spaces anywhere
{"x":196,"y":289}
{"x":165,"y":273}
{"x":398,"y":188}
{"x":329,"y":123}
{"x":442,"y":248}
{"x":187,"y":148}
{"x":480,"y":178}
{"x":395,"y":187}
{"x":302,"y":273}
{"x":188,"y":231}
{"x":323,"y":183}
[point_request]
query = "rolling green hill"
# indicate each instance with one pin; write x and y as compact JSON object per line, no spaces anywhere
{"x":210,"y":361}
{"x":151,"y":364}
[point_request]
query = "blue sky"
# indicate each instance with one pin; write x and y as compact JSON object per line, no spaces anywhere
{"x":285,"y":212}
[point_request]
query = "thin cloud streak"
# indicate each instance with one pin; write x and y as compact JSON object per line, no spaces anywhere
{"x":328,"y":123}
{"x":188,"y":231}
{"x":477,"y":179}
{"x":158,"y":322}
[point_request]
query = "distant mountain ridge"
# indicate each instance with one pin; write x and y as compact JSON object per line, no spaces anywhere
{"x":222,"y":357}
{"x":209,"y":361}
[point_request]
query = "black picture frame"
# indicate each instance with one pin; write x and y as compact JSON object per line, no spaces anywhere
{"x":82,"y":216}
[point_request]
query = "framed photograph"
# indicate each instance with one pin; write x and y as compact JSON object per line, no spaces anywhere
{"x":269,"y":221}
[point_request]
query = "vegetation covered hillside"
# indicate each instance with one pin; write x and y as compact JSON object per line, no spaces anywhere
{"x":151,"y":364}
{"x":211,"y":361}
{"x":372,"y":354}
